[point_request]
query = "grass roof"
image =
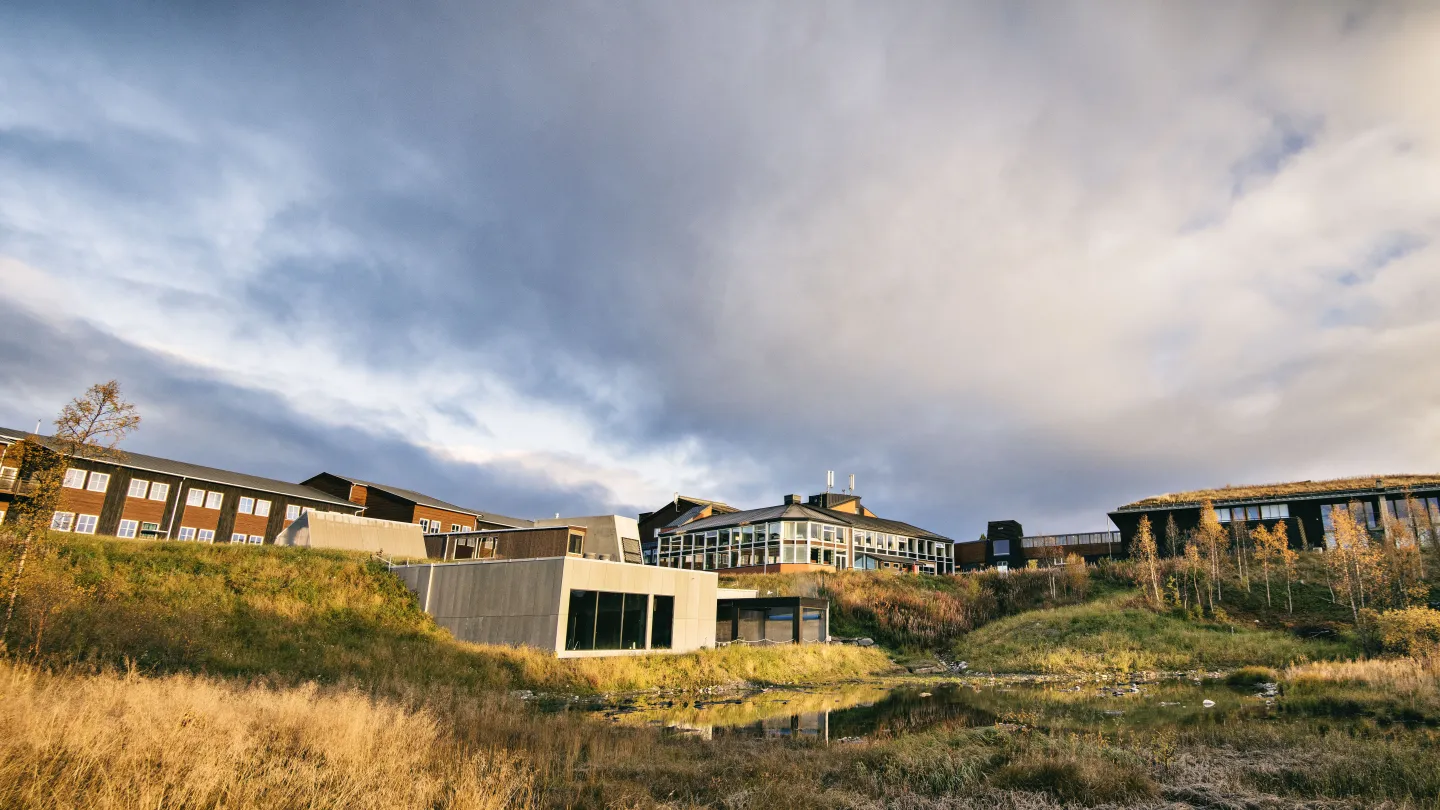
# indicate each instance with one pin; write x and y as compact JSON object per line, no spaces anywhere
{"x":1260,"y":491}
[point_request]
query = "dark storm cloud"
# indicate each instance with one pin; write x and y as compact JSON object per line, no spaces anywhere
{"x":956,"y":249}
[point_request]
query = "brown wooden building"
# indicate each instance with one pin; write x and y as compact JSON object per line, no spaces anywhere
{"x":680,"y":511}
{"x":407,"y":506}
{"x":137,"y":495}
{"x":509,"y":544}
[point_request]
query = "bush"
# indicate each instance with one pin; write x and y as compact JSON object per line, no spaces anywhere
{"x":1412,"y":631}
{"x":1078,"y":778}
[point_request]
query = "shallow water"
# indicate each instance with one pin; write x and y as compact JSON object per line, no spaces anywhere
{"x":874,"y":711}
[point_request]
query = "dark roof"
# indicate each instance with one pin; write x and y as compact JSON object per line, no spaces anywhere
{"x":1337,"y":487}
{"x":140,"y":461}
{"x":796,"y":511}
{"x":435,"y":503}
{"x":719,"y":506}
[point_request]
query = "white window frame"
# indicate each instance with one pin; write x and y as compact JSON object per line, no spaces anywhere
{"x":99,"y":482}
{"x":257,"y":540}
{"x":456,"y":527}
{"x":187,"y":533}
{"x":81,"y":520}
{"x":262,"y":508}
{"x":159,"y":491}
{"x":195,"y":497}
{"x":139,"y":488}
{"x":292,"y":511}
{"x":62,"y":521}
{"x":239,"y":537}
{"x":214,"y":500}
{"x":246,"y":505}
{"x":128,"y":529}
{"x":205,"y":535}
{"x":424,"y":525}
{"x":74,"y":478}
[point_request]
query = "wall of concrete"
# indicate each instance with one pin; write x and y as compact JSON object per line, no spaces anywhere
{"x":355,"y":533}
{"x":602,"y":532}
{"x":526,"y":602}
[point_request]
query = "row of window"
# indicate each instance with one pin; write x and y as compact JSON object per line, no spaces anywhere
{"x":69,"y":521}
{"x":202,"y":535}
{"x":97,"y":482}
{"x":1083,"y":539}
{"x":156,"y":491}
{"x":1269,"y":511}
{"x":437,"y":527}
{"x":600,"y":620}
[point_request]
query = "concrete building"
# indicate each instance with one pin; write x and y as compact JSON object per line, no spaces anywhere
{"x":354,"y":533}
{"x":828,"y":532}
{"x":614,"y":536}
{"x":569,"y":605}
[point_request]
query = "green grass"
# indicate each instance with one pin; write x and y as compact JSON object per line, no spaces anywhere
{"x":295,"y":615}
{"x":1115,"y":635}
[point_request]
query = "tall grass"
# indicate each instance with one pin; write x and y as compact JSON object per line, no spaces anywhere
{"x":124,"y":741}
{"x":1117,"y":635}
{"x":295,"y":615}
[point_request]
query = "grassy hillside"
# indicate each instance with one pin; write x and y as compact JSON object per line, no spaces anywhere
{"x":301,"y":614}
{"x":1118,"y":634}
{"x":919,"y":613}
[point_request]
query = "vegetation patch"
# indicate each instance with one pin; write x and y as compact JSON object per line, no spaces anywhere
{"x":1117,"y":634}
{"x":294,"y":614}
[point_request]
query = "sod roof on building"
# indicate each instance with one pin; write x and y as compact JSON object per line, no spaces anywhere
{"x":1389,"y":484}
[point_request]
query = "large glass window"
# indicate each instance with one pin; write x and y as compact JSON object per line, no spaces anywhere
{"x":1002,"y":547}
{"x":600,"y":620}
{"x":580,"y":630}
{"x":662,"y":622}
{"x":812,"y":625}
{"x":780,"y":624}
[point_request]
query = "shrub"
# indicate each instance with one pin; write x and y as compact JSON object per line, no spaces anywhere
{"x":1252,"y":676}
{"x":1078,"y":778}
{"x":1412,"y":631}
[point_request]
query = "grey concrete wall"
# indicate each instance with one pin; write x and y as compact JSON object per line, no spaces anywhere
{"x":527,"y":601}
{"x":355,"y":533}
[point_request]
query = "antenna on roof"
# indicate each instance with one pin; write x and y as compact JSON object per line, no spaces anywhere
{"x":37,"y":427}
{"x":851,"y":490}
{"x":829,"y":480}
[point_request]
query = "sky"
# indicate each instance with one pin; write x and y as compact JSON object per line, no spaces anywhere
{"x":1001,"y":260}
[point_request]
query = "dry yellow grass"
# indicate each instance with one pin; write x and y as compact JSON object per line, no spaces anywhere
{"x":125,"y":741}
{"x":1406,"y":676}
{"x":1277,"y":490}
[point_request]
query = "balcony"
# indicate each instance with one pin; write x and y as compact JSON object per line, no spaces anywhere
{"x":10,"y":484}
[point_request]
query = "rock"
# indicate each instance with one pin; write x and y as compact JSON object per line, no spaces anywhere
{"x":865,"y":642}
{"x":1208,"y":704}
{"x":924,"y":694}
{"x":1114,"y":713}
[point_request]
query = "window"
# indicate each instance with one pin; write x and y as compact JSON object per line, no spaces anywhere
{"x":455,"y":527}
{"x":577,"y":543}
{"x":195,"y":497}
{"x":262,"y":508}
{"x":292,"y":511}
{"x":1252,"y":513}
{"x":1002,"y":547}
{"x":424,"y":525}
{"x":75,"y":479}
{"x":1275,"y":511}
{"x":213,"y":500}
{"x":206,"y":535}
{"x":1223,"y":514}
{"x":8,"y":474}
{"x":127,"y":528}
{"x":238,"y":537}
{"x":85,"y":524}
{"x":61,"y":521}
{"x":247,"y":506}
{"x":600,"y":620}
{"x":149,"y":529}
{"x":99,"y":482}
{"x":138,"y":488}
{"x":256,"y":540}
{"x":159,"y":491}
{"x":187,"y":533}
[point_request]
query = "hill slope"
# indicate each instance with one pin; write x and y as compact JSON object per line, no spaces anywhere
{"x":300,"y":614}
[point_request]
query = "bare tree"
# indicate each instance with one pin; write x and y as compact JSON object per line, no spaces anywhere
{"x":1172,"y":536}
{"x":1145,"y":548}
{"x":90,"y":426}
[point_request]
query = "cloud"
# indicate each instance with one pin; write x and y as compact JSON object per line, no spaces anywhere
{"x":999,"y":260}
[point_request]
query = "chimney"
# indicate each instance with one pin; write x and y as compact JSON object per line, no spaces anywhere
{"x":790,"y":500}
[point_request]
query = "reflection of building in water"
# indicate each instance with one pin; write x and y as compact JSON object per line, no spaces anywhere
{"x":805,"y":725}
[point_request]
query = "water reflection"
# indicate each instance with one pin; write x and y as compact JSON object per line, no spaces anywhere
{"x":860,"y":711}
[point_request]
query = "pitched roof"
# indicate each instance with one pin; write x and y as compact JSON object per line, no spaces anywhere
{"x":797,"y":511}
{"x":140,"y":461}
{"x":1363,"y":485}
{"x":718,"y":505}
{"x":435,"y":503}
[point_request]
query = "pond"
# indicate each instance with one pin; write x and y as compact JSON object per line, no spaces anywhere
{"x":887,"y":710}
